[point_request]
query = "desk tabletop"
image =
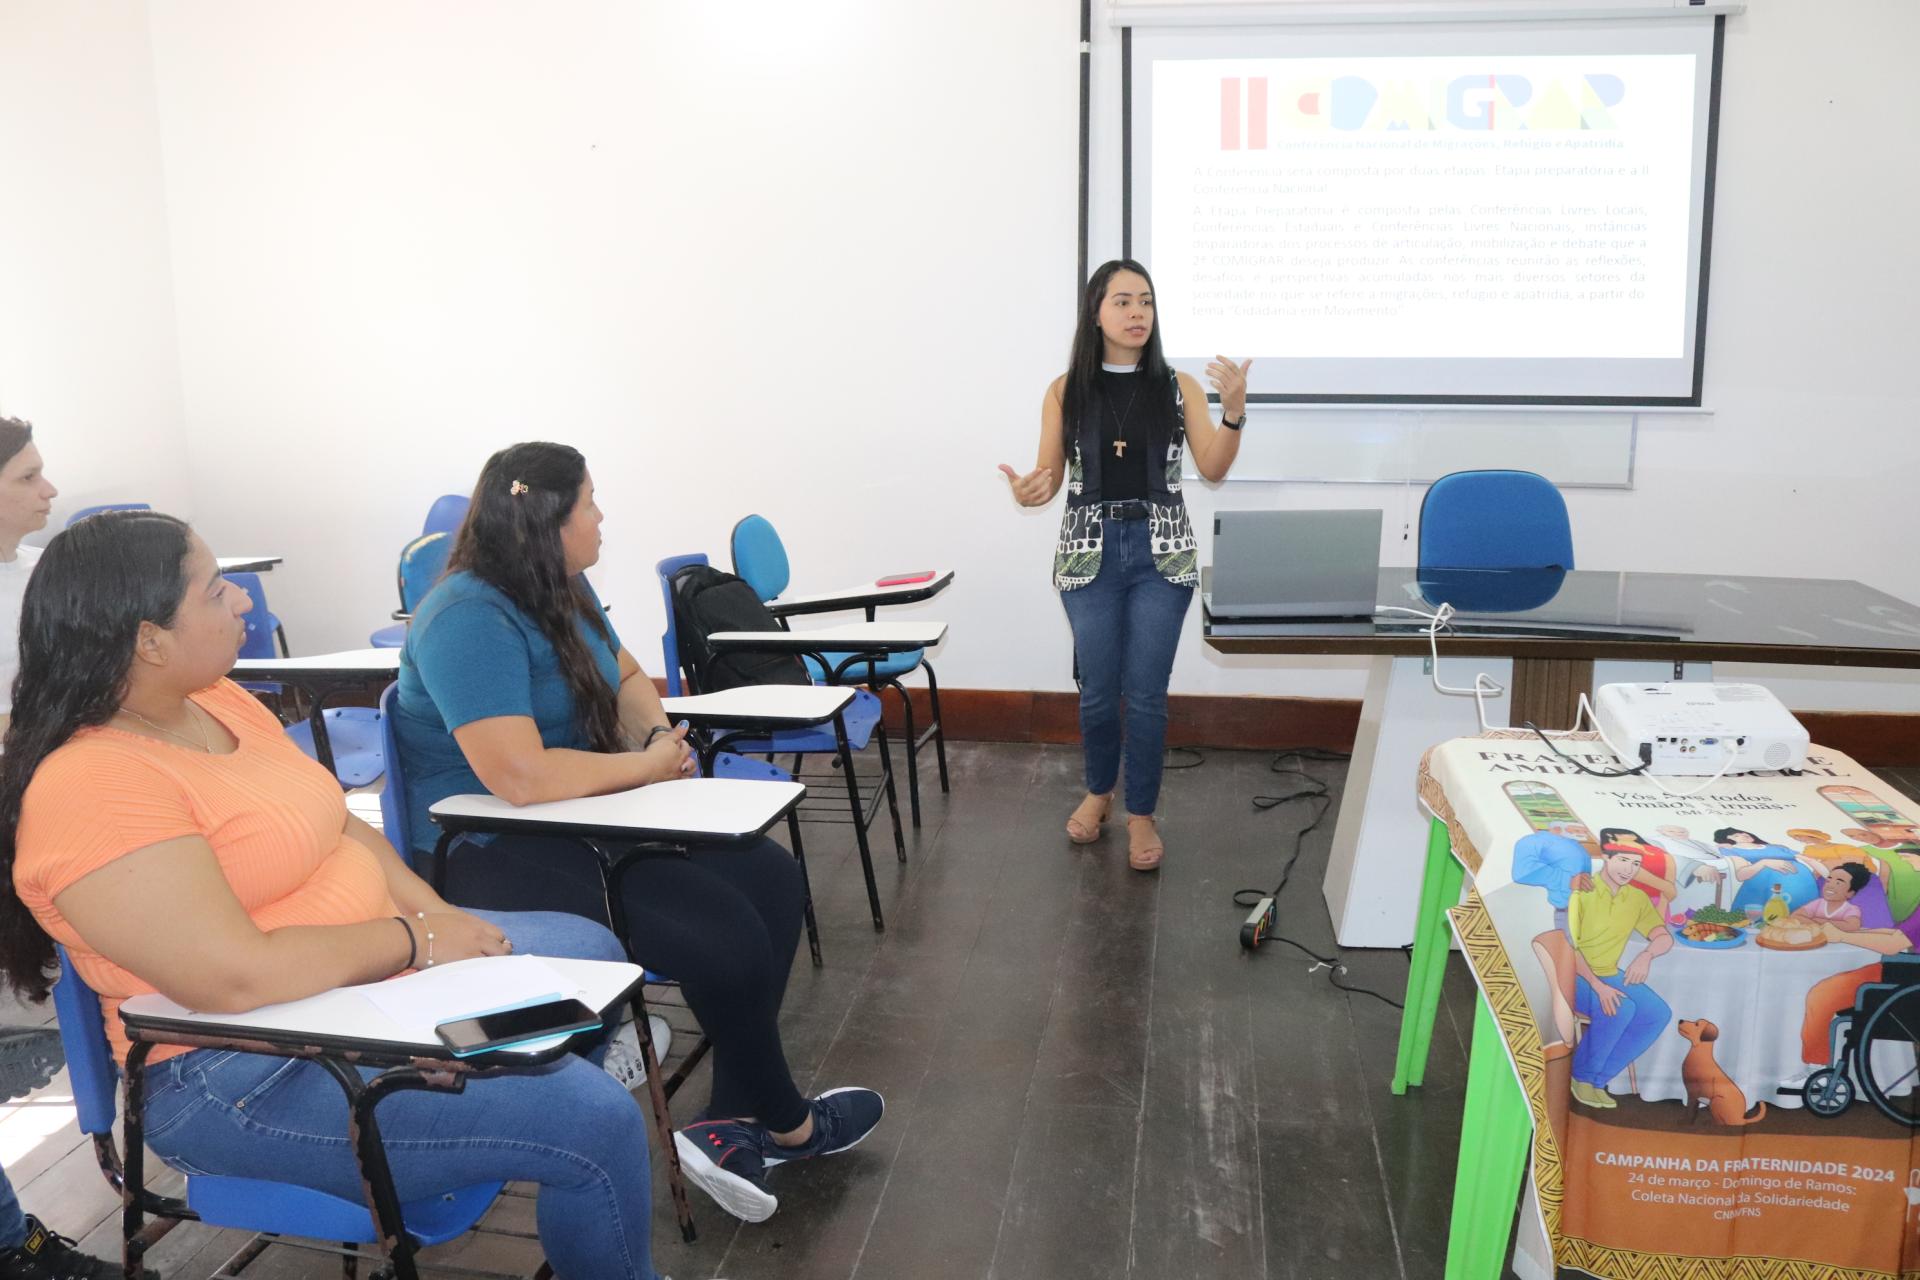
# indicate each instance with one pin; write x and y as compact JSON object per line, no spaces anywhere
{"x":690,"y":809}
{"x":1605,"y":614}
{"x":247,"y":564}
{"x":852,"y":637}
{"x":862,"y":595}
{"x":760,"y":704}
{"x":346,"y":662}
{"x":345,"y":1017}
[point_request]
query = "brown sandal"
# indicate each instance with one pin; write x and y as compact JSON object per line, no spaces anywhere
{"x":1080,"y":831}
{"x":1144,"y":857}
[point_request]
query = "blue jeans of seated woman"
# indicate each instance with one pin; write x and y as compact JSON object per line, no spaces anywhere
{"x":568,"y":1126}
{"x":1126,"y":626}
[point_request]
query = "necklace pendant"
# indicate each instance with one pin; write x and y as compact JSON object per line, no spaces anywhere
{"x":1119,"y":448}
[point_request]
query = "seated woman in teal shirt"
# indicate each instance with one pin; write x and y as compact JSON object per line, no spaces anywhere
{"x":513,"y":681}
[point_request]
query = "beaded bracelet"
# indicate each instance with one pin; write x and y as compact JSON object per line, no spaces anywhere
{"x":422,"y":917}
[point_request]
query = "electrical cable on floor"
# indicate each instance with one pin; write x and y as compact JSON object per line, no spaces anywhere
{"x":1318,"y":795}
{"x":1173,"y":761}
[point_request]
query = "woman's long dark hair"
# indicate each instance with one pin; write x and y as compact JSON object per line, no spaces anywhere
{"x":1081,"y":395}
{"x":93,"y":587}
{"x":511,"y":539}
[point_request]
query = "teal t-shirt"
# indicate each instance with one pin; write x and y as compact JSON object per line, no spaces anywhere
{"x":472,"y":654}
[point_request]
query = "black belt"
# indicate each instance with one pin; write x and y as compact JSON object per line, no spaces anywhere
{"x":1130,"y":509}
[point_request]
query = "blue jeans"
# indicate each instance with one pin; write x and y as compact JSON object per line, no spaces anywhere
{"x":13,"y":1223}
{"x":1126,"y":626}
{"x":1612,"y":1041}
{"x":568,"y":1126}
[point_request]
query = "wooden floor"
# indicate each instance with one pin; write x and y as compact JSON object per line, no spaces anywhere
{"x":1085,"y":1075}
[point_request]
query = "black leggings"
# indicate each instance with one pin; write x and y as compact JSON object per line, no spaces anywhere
{"x":723,"y":922}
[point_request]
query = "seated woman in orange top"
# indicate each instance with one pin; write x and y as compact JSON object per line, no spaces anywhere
{"x":156,"y":821}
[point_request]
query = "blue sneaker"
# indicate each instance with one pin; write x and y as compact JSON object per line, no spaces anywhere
{"x":842,"y":1118}
{"x":723,"y":1158}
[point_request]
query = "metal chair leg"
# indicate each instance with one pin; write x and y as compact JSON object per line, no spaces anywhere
{"x":859,"y":820}
{"x":893,"y":797}
{"x":913,"y":751}
{"x":806,"y":884}
{"x":939,"y":723}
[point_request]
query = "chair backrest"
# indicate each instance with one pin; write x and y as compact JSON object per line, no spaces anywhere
{"x":670,"y":639}
{"x":83,"y":1038}
{"x":446,"y":513}
{"x":1495,"y":520}
{"x":422,"y":562}
{"x":263,"y":628}
{"x":760,"y":557}
{"x":84,"y":512}
{"x":393,"y":796}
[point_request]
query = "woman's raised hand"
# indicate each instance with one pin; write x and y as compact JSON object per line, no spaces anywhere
{"x":1230,"y":380}
{"x":1032,"y":489}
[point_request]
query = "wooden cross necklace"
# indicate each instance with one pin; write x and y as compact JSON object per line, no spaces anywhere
{"x":1120,"y":423}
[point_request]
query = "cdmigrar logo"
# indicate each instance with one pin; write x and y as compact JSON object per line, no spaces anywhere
{"x":1470,"y":103}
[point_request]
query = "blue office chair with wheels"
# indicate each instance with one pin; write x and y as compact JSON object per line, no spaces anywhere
{"x":760,"y":559}
{"x":423,"y":562}
{"x":352,"y":732}
{"x":446,"y":513}
{"x":1495,"y":520}
{"x":84,"y":512}
{"x":246,"y":1204}
{"x":862,"y":719}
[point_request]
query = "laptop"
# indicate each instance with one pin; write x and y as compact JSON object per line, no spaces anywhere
{"x":1294,"y":564}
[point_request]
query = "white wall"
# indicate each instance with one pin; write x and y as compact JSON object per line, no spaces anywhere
{"x":87,"y":350}
{"x":819,"y":265}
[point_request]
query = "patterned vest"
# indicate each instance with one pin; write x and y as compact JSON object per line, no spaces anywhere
{"x":1076,"y":556}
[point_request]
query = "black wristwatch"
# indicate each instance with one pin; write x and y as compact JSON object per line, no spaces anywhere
{"x":1231,"y":425}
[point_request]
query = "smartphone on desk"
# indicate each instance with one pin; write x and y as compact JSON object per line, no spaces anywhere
{"x":505,"y":1028}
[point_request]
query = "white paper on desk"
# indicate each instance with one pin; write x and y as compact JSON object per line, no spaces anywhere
{"x":424,"y":999}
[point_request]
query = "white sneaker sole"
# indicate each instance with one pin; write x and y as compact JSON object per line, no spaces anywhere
{"x":773,"y":1161}
{"x":729,"y":1190}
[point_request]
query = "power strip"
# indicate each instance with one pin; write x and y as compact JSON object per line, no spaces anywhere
{"x":1259,"y":924}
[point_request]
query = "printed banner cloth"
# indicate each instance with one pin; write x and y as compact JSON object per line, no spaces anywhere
{"x":1712,"y":1004}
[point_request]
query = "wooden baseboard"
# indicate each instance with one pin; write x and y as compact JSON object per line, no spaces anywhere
{"x":1246,"y":722}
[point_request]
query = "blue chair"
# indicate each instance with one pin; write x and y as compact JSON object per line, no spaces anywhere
{"x":84,"y":512}
{"x":246,"y":1204}
{"x":862,"y":720}
{"x":353,"y":733}
{"x":446,"y":514}
{"x":760,"y":559}
{"x":422,"y":562}
{"x":1494,"y":520}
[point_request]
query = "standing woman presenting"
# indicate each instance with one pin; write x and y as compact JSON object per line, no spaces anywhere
{"x":1113,"y":428}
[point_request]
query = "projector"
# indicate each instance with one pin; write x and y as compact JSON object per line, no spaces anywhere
{"x":1686,"y":729}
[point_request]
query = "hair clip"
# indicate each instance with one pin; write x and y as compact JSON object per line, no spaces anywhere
{"x":517,"y":488}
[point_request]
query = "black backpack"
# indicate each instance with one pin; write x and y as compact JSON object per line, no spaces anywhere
{"x":707,"y":600}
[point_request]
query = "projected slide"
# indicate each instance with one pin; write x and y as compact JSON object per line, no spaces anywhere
{"x":1518,"y":224}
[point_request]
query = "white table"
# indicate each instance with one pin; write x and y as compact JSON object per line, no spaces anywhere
{"x":322,"y":676}
{"x":247,"y":564}
{"x":342,"y":1031}
{"x":862,"y":642}
{"x":1765,"y":1050}
{"x":760,"y":706}
{"x":866,"y":595}
{"x":684,"y":811}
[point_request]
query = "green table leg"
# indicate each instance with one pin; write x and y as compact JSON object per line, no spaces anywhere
{"x":1439,"y":889}
{"x":1494,"y":1134}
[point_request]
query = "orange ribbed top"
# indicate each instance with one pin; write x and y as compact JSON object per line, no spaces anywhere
{"x":275,"y":820}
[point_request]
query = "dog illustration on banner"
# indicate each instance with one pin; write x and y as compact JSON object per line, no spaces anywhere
{"x":1709,"y":1085}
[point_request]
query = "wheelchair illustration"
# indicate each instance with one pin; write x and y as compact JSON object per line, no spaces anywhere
{"x":1885,"y":1016}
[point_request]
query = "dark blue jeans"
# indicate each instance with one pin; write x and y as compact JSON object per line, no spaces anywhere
{"x":1126,"y":626}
